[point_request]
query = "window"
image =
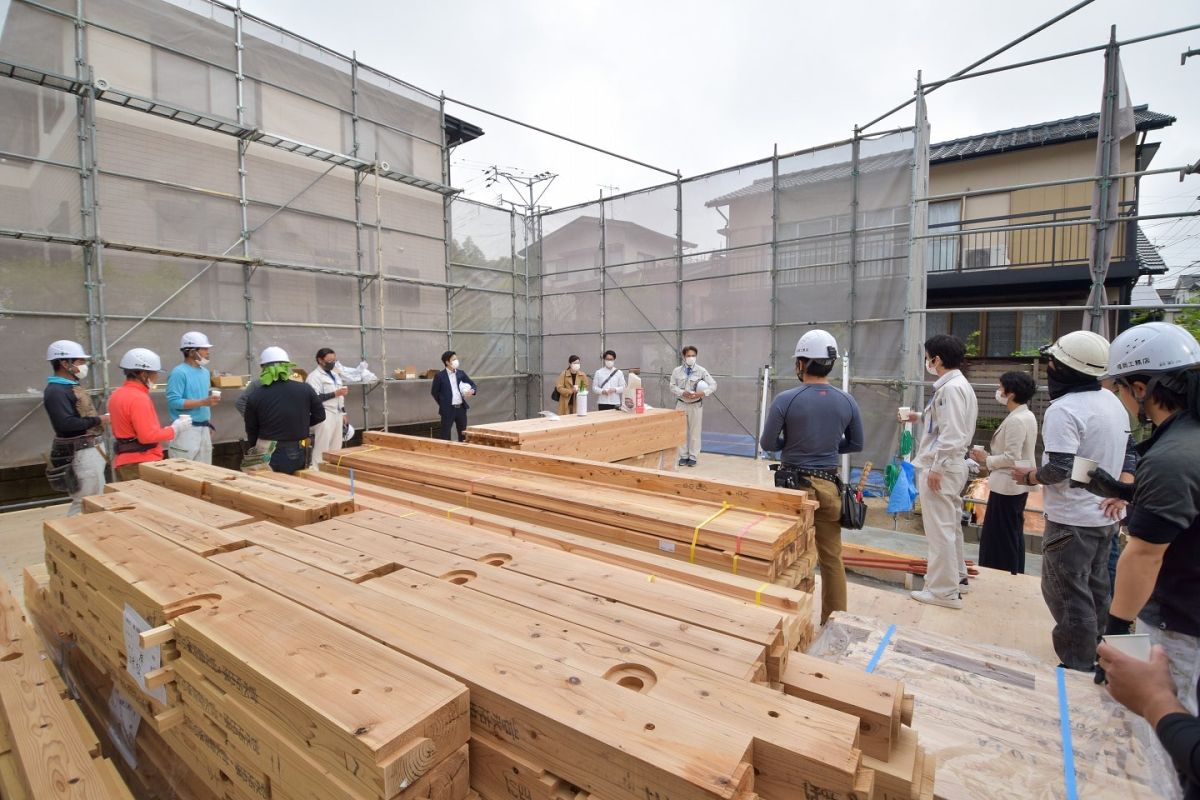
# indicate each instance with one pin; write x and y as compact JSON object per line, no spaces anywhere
{"x":1004,"y":334}
{"x":942,"y":253}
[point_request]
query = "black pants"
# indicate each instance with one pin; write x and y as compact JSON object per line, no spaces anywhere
{"x":606,"y":407}
{"x":456,"y":420}
{"x":288,"y":457}
{"x":1002,"y":540}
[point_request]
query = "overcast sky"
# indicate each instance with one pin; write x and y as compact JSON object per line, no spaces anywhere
{"x":701,"y":85}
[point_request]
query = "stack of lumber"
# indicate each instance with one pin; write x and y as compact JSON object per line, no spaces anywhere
{"x":246,"y":493}
{"x":753,"y":532}
{"x":338,"y":651}
{"x":636,"y":439}
{"x":991,"y":717}
{"x":260,"y":697}
{"x":47,"y":748}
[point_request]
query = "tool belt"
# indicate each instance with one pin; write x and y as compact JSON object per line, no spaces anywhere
{"x":790,"y":476}
{"x":131,"y":445}
{"x":60,"y":466}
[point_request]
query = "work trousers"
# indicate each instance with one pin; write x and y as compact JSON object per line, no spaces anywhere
{"x":941,"y":517}
{"x":89,"y":472}
{"x":288,"y":457}
{"x":1076,"y":589}
{"x":829,"y":546}
{"x":1002,"y":540}
{"x":327,"y":435}
{"x":695,"y":415}
{"x":1183,"y":655}
{"x":194,"y":444}
{"x":458,"y":420}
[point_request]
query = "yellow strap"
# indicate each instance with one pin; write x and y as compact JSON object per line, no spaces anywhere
{"x":696,"y":533}
{"x":650,"y":579}
{"x":450,"y":511}
{"x":758,"y":594}
{"x":735,"y":560}
{"x":409,"y":514}
{"x":366,"y":448}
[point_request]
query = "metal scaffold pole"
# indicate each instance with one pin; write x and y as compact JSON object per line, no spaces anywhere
{"x":361,"y":281}
{"x":243,"y":202}
{"x":603,"y":274}
{"x":383,"y":366}
{"x":914,"y":322}
{"x":1100,"y":249}
{"x":512,"y":262}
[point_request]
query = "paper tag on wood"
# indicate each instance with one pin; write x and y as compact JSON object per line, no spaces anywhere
{"x":124,"y":726}
{"x":666,"y":545}
{"x":141,"y":660}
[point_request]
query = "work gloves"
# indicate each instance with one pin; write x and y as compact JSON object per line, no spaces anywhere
{"x":1105,"y":485}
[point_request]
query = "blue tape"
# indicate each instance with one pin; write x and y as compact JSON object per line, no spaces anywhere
{"x":883,"y":643}
{"x":1064,"y":719}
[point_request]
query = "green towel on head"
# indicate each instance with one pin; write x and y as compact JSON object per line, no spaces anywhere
{"x":276,"y":372}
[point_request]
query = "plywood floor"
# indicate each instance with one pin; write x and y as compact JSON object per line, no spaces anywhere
{"x":21,"y":543}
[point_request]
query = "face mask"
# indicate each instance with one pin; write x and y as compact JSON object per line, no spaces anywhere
{"x":329,"y":365}
{"x":574,"y":368}
{"x":454,"y":364}
{"x":1001,"y":398}
{"x":81,"y":372}
{"x":202,"y":361}
{"x":610,"y":364}
{"x":929,"y":367}
{"x":690,"y":361}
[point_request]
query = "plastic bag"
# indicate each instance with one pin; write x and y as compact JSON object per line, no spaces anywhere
{"x":904,"y":492}
{"x":359,"y":374}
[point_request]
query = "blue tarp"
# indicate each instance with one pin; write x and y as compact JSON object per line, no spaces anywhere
{"x":904,"y":493}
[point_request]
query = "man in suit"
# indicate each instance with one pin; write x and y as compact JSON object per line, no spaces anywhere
{"x":451,"y":388}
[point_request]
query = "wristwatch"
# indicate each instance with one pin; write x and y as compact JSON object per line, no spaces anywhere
{"x":1029,"y":479}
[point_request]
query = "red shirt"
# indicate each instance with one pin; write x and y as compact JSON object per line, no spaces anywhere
{"x":132,"y":414}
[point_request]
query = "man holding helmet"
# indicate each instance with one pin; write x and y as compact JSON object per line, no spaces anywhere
{"x":1082,"y":422}
{"x":136,"y":433}
{"x":812,"y":425}
{"x":282,"y":411}
{"x":189,"y":392}
{"x":1156,"y":371}
{"x":76,"y":465}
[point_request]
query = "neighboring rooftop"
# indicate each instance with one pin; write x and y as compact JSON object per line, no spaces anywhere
{"x":1041,"y":134}
{"x":1149,"y":260}
{"x":1059,"y":131}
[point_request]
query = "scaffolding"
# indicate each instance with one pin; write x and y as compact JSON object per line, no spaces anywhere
{"x":233,"y":177}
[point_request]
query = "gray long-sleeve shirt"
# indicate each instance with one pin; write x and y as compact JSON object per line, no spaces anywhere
{"x":813,"y":424}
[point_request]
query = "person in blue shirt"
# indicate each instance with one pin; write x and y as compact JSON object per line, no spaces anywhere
{"x":189,"y":391}
{"x":813,"y":425}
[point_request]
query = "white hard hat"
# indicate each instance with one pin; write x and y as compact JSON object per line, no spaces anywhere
{"x":348,"y":432}
{"x":141,"y":358}
{"x":273,"y":355}
{"x":194,"y":339}
{"x":65,"y":348}
{"x":817,"y":344}
{"x":701,"y":386}
{"x":1152,"y":348}
{"x":1082,"y":351}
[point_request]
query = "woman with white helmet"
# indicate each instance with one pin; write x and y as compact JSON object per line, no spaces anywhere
{"x":1156,"y":371}
{"x":76,"y":464}
{"x":137,"y":436}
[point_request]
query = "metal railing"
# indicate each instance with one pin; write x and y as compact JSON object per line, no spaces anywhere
{"x":1046,"y":238}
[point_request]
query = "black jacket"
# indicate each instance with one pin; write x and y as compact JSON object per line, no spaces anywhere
{"x":62,"y":407}
{"x":282,"y":412}
{"x":443,"y":393}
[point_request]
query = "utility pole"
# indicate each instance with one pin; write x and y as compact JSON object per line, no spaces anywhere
{"x":523,"y":184}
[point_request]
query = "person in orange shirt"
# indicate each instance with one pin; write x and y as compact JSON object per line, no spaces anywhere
{"x":137,"y":435}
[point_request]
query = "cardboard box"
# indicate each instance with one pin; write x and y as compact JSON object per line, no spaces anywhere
{"x":225,"y":381}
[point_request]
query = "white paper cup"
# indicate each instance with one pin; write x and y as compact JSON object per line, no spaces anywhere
{"x":1081,"y":468}
{"x":215,"y":392}
{"x":902,"y":412}
{"x":978,"y":448}
{"x":1134,"y":645}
